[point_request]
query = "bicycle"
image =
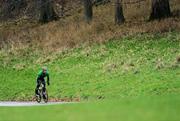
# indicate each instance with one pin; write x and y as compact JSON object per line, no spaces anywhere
{"x":42,"y":94}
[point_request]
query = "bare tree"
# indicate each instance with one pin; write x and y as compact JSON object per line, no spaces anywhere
{"x":12,"y":9}
{"x":160,"y":9}
{"x":119,"y":16}
{"x":100,"y":2}
{"x":63,"y":2}
{"x":88,"y":10}
{"x":47,"y":12}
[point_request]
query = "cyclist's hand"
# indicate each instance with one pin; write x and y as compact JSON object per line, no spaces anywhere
{"x":48,"y":83}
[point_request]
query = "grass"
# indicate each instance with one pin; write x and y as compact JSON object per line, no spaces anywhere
{"x":142,"y":65}
{"x":159,"y":108}
{"x":133,"y":78}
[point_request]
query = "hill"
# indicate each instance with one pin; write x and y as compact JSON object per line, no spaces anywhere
{"x":133,"y":78}
{"x":132,"y":66}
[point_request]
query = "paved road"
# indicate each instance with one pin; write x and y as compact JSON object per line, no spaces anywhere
{"x":15,"y":104}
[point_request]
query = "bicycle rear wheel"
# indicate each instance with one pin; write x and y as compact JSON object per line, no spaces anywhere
{"x":45,"y":97}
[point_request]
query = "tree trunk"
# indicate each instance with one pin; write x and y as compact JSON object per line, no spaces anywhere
{"x":119,"y":17}
{"x":160,"y":9}
{"x":88,"y":10}
{"x":47,"y":12}
{"x":62,"y":7}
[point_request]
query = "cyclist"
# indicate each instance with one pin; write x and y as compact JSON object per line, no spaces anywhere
{"x":41,"y":79}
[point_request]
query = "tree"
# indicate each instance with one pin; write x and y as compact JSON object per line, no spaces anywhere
{"x":119,"y":17}
{"x":47,"y":12}
{"x":12,"y":9}
{"x":160,"y":9}
{"x":100,"y":2}
{"x":62,"y":7}
{"x":88,"y":10}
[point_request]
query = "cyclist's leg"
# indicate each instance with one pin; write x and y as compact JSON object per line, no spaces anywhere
{"x":37,"y":86}
{"x":44,"y":85}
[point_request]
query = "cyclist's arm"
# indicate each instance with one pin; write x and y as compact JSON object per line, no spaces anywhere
{"x":48,"y":78}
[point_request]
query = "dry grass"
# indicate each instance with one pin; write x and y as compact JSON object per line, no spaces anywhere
{"x":72,"y":31}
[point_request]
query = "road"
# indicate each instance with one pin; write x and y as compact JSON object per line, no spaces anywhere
{"x":17,"y":104}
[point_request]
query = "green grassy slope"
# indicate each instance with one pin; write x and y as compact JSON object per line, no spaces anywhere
{"x":144,"y":65}
{"x":138,"y":78}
